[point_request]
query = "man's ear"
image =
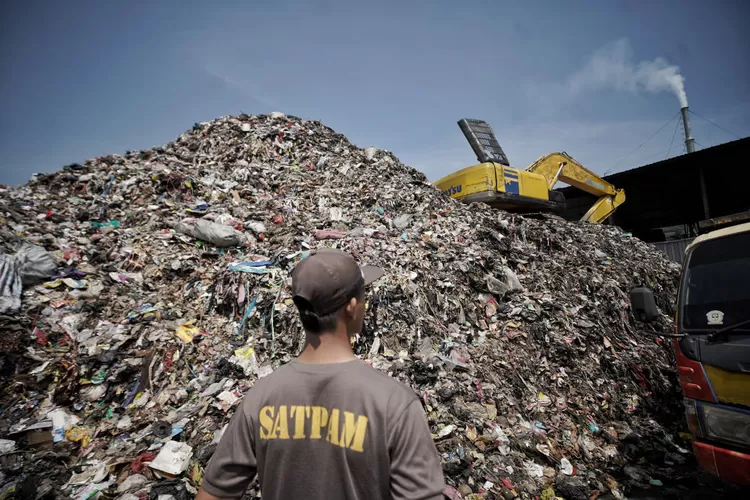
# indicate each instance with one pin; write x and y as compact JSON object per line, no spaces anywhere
{"x":351,"y":306}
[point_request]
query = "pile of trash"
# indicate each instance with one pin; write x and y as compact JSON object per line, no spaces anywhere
{"x":169,"y":295}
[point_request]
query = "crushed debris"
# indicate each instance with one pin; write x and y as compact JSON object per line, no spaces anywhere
{"x":170,"y":297}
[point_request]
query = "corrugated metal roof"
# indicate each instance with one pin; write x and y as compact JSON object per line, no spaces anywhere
{"x":669,"y":193}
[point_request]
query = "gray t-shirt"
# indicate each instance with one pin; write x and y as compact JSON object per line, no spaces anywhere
{"x":334,"y":431}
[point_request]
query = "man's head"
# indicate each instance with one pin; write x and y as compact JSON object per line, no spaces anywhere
{"x":328,"y":288}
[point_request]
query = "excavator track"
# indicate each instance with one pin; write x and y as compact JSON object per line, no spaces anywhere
{"x":517,"y":203}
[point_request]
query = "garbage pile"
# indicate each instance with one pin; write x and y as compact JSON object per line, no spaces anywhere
{"x":170,"y":295}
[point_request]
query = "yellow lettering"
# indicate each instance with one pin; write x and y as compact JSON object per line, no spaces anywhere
{"x":281,"y":425}
{"x":319,"y":420}
{"x":274,"y":424}
{"x":333,"y":427}
{"x":266,"y":421}
{"x":300,"y":413}
{"x":353,"y":435}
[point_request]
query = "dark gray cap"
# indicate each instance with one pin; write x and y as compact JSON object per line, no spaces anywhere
{"x":328,"y":278}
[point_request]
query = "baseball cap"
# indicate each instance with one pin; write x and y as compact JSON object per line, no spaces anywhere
{"x":328,"y":278}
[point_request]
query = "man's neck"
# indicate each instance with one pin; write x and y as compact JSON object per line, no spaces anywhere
{"x":325,"y":348}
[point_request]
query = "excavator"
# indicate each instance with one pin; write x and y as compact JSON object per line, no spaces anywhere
{"x":495,"y":182}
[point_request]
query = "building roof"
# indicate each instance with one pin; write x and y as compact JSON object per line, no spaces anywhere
{"x":669,"y":193}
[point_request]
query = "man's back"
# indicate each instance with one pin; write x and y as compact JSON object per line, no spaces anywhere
{"x":339,"y":430}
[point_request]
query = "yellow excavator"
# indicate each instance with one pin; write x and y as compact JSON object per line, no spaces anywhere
{"x":494,"y":182}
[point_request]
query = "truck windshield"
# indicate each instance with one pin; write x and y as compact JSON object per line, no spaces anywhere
{"x":716,"y":286}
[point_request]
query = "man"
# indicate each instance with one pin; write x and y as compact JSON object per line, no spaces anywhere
{"x":327,"y":425}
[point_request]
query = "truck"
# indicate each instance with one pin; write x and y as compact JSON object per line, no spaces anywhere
{"x":711,"y":343}
{"x":494,"y":182}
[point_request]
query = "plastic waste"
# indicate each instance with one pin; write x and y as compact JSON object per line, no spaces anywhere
{"x":402,"y":221}
{"x":61,"y":422}
{"x":95,"y":472}
{"x":31,"y":264}
{"x":173,"y":458}
{"x":6,"y":446}
{"x":132,"y":482}
{"x":534,"y":470}
{"x":34,"y":264}
{"x":216,"y":234}
{"x":111,"y":223}
{"x":566,"y":467}
{"x":10,"y":285}
{"x":330,"y":234}
{"x":446,"y":431}
{"x":511,"y":354}
{"x":187,"y":332}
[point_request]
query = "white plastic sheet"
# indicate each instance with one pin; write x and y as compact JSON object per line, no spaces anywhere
{"x":217,"y":234}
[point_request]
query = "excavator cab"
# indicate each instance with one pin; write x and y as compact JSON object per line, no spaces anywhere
{"x":494,"y":181}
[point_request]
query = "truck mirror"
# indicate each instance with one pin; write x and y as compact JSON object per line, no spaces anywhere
{"x":643,"y":304}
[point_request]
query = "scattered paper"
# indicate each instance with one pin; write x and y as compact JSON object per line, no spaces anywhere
{"x":173,"y":458}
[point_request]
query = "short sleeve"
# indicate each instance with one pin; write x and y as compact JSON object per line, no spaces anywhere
{"x":233,"y":465}
{"x":415,"y":464}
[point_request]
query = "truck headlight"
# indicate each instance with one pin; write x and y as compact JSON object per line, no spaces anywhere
{"x":691,"y":415}
{"x":726,"y":425}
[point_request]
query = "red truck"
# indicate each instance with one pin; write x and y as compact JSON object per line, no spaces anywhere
{"x":712,"y":348}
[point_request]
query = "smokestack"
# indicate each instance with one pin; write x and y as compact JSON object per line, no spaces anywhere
{"x":689,"y":144}
{"x":689,"y":141}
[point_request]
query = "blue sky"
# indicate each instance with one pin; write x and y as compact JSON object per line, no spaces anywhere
{"x":82,"y":79}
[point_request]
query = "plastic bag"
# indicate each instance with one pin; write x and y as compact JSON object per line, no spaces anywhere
{"x":34,"y":264}
{"x":10,"y":285}
{"x":217,"y":234}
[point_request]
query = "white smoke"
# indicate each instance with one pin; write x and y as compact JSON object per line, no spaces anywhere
{"x":613,"y":66}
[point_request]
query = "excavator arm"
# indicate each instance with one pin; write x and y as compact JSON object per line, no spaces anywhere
{"x":562,"y":167}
